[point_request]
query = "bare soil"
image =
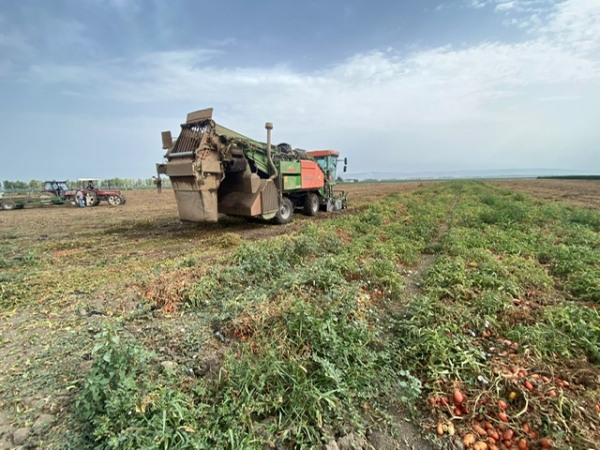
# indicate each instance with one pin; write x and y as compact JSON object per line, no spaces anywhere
{"x":156,"y":214}
{"x":584,"y":193}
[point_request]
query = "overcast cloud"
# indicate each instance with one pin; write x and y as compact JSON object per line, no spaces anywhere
{"x":413,"y":86}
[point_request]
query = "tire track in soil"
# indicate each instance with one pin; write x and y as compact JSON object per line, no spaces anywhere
{"x":414,"y":276}
{"x":411,"y":437}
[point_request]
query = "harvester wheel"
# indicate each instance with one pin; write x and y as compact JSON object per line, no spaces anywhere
{"x":285,"y":213}
{"x":91,"y":198}
{"x":311,"y":205}
{"x":114,"y":200}
{"x":8,"y":205}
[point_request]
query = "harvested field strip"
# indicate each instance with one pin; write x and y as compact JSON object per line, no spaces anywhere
{"x":581,"y":193}
{"x":56,"y":268}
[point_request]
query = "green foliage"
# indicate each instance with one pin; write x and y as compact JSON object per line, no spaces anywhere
{"x":5,"y":262}
{"x":585,"y":284}
{"x":12,"y":289}
{"x":569,"y":331}
{"x":459,"y":278}
{"x":438,"y":350}
{"x":587,"y":217}
{"x":321,"y":326}
{"x":325,"y":365}
{"x":28,"y":259}
{"x":14,"y":185}
{"x":192,"y":261}
{"x":577,"y":265}
{"x":109,"y":183}
{"x":125,"y":404}
{"x":312,"y":354}
{"x":112,"y":378}
{"x":499,"y":248}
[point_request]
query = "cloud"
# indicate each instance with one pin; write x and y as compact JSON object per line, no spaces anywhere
{"x":524,"y":12}
{"x":575,"y":23}
{"x":477,"y":4}
{"x":437,"y":106}
{"x":505,"y":6}
{"x":433,"y":86}
{"x":27,"y":47}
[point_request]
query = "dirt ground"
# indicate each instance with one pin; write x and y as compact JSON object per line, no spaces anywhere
{"x":150,"y":214}
{"x":575,"y":192}
{"x":104,"y":246}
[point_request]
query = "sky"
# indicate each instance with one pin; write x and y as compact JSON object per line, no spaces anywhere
{"x":87,"y":86}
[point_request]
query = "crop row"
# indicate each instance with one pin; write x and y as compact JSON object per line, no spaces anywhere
{"x":325,"y":332}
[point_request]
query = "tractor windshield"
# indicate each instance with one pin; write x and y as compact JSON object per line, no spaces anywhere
{"x":329,"y":165}
{"x":55,"y":186}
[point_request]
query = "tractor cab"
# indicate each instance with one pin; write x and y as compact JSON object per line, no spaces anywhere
{"x":88,"y":183}
{"x":327,"y":161}
{"x":331,"y":200}
{"x":58,"y":188}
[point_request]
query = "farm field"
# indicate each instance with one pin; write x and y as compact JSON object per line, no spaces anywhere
{"x":468,"y":308}
{"x":574,"y":192}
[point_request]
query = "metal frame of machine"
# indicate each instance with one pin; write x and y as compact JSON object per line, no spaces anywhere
{"x":215,"y":170}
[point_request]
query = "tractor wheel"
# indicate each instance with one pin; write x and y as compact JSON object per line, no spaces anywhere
{"x":91,"y":198}
{"x":285,"y":213}
{"x":115,"y":200}
{"x":8,"y":205}
{"x":47,"y":198}
{"x":311,"y":205}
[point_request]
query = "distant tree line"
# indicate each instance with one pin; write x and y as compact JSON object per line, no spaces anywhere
{"x":571,"y":177}
{"x":109,"y":183}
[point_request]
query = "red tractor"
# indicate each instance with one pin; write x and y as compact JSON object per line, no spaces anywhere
{"x":58,"y":192}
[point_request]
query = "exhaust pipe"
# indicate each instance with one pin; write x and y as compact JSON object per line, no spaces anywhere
{"x":269,"y":127}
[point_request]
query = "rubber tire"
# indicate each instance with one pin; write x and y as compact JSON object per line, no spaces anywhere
{"x":9,"y":205}
{"x":285,"y":213}
{"x":311,"y":205}
{"x":91,"y":198}
{"x":114,"y":200}
{"x":46,"y":198}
